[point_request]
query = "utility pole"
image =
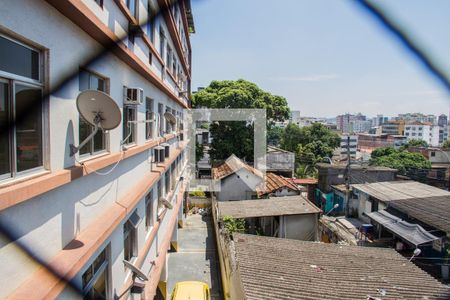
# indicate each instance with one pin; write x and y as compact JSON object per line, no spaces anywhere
{"x":347,"y":178}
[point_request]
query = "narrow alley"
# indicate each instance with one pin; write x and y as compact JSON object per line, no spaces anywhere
{"x":196,"y":258}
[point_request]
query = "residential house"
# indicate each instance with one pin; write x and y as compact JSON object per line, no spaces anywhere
{"x":260,"y":267}
{"x":277,"y":186}
{"x":69,"y":222}
{"x":292,"y":217}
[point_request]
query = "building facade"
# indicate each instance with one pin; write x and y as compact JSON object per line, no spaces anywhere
{"x":423,"y":131}
{"x":69,"y":222}
{"x":369,"y":142}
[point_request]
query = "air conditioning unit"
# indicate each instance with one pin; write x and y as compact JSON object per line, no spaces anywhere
{"x":158,"y":153}
{"x":166,"y":149}
{"x":133,"y":96}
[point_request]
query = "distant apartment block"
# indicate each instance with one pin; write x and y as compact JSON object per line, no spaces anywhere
{"x":69,"y":222}
{"x":423,"y":131}
{"x":393,"y":127}
{"x":369,"y":142}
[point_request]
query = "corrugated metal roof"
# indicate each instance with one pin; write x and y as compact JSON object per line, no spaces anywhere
{"x":274,"y":268}
{"x":413,"y":233}
{"x":398,"y":190}
{"x":434,"y":211}
{"x":276,"y":206}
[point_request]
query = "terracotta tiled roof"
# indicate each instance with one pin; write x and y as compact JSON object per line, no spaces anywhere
{"x":232,"y":165}
{"x":304,"y":180}
{"x":274,"y":268}
{"x":275,"y":182}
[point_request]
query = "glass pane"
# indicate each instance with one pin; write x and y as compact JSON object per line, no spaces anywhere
{"x":85,"y":130}
{"x":98,"y":290}
{"x":99,"y":141}
{"x":17,"y":59}
{"x":5,"y":163}
{"x":99,"y":261}
{"x":28,"y":127}
{"x":87,"y":276}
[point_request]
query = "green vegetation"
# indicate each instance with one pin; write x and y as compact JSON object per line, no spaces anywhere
{"x":199,"y":151}
{"x":237,"y":137}
{"x":233,"y":225}
{"x":416,"y":143}
{"x":311,"y":144}
{"x":407,"y":163}
{"x":197,"y":194}
{"x":274,"y":135}
{"x":446,"y":144}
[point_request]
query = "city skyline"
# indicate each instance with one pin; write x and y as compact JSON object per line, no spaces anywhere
{"x":329,"y":63}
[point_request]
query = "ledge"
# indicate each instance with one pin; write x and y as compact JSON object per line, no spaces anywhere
{"x":124,"y":9}
{"x":152,"y":48}
{"x":21,"y":191}
{"x":43,"y":284}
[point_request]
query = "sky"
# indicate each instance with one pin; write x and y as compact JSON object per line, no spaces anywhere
{"x":326,"y":57}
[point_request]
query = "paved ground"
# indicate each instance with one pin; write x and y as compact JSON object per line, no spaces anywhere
{"x":196,"y":258}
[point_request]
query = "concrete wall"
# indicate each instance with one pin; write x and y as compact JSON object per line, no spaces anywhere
{"x":48,"y":222}
{"x":301,"y":227}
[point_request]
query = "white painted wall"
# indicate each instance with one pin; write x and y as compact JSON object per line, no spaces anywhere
{"x":48,"y":222}
{"x":238,"y":186}
{"x":301,"y":227}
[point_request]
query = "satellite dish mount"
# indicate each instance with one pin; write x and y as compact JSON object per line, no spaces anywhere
{"x":98,"y":110}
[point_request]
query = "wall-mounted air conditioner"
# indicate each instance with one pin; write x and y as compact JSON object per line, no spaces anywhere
{"x":158,"y":154}
{"x":133,"y":96}
{"x":166,"y":149}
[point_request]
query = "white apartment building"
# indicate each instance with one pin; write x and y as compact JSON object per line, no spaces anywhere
{"x":67,"y":223}
{"x":423,"y":131}
{"x":360,"y":126}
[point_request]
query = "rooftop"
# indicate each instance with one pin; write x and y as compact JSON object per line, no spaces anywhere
{"x":301,"y":181}
{"x":273,"y":268}
{"x":434,"y":211}
{"x":398,"y":190}
{"x":232,"y":165}
{"x":272,"y":149}
{"x":274,"y":182}
{"x":276,"y":206}
{"x":355,"y":167}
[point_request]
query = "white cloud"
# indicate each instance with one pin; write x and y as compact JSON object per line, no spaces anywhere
{"x":310,"y":78}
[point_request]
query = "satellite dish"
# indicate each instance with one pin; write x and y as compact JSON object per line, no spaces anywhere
{"x":170,"y":117}
{"x":136,"y":272}
{"x":99,"y":110}
{"x":92,"y":104}
{"x":166,"y":203}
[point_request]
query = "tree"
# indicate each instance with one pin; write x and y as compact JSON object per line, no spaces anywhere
{"x":407,"y":163}
{"x":274,"y":135}
{"x":446,"y":144}
{"x":311,"y":144}
{"x":237,"y":137}
{"x":199,"y":149}
{"x":416,"y":143}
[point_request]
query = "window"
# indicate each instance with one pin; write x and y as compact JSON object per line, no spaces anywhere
{"x":150,"y":57}
{"x":131,"y":4}
{"x":173,"y":176}
{"x":162,"y":41}
{"x":130,"y":236}
{"x":150,"y":23}
{"x":168,"y":126}
{"x":149,"y":116}
{"x":149,"y":210}
{"x":95,"y":278}
{"x":129,"y":124}
{"x":160,"y":194}
{"x":433,"y":154}
{"x":99,"y":2}
{"x":161,"y":118}
{"x":169,"y":57}
{"x":90,"y":81}
{"x":21,"y":109}
{"x":167,"y":181}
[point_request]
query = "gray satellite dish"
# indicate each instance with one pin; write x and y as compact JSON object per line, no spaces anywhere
{"x":136,"y":272}
{"x":99,"y":110}
{"x":170,"y":117}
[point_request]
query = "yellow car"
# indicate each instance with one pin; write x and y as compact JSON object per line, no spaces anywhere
{"x":191,"y":290}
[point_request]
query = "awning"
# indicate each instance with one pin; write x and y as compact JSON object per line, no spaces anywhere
{"x":413,"y":233}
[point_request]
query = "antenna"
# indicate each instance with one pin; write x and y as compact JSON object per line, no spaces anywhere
{"x":99,"y":110}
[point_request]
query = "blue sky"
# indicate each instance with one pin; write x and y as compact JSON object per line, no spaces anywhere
{"x":326,"y":57}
